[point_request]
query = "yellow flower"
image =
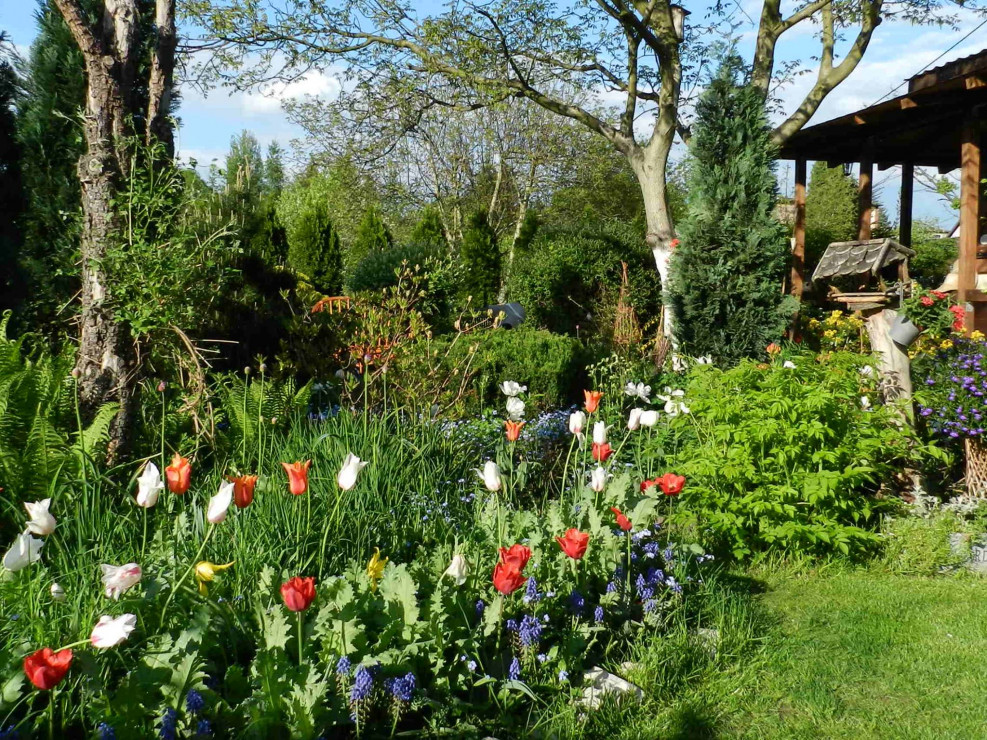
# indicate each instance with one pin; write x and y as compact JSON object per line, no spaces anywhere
{"x":946,"y":344}
{"x":205,"y":572}
{"x":375,"y":568}
{"x":976,"y":335}
{"x":829,"y":333}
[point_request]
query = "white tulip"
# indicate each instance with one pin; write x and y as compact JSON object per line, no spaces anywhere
{"x":458,"y":569}
{"x":649,"y":418}
{"x":598,"y":479}
{"x":41,"y":522}
{"x":788,"y":364}
{"x":639,"y":390}
{"x":218,"y":504}
{"x":515,"y":408}
{"x":117,"y":579}
{"x":634,"y":419}
{"x":511,"y":389}
{"x":25,"y":550}
{"x":490,"y":475}
{"x":110,"y":632}
{"x":577,"y":421}
{"x":865,"y":403}
{"x":599,"y":433}
{"x":149,"y":486}
{"x":352,"y":465}
{"x":57,"y":592}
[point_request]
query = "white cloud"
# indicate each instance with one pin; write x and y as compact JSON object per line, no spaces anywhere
{"x":269,"y":99}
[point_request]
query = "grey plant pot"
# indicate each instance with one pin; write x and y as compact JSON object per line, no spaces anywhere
{"x":903,"y":332}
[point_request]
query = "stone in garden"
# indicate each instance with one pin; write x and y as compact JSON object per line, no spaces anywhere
{"x":599,"y":683}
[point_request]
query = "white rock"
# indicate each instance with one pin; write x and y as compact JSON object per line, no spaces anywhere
{"x":599,"y":683}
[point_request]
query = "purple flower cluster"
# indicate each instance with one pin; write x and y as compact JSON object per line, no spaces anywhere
{"x":957,"y":403}
{"x":529,"y":631}
{"x":403,"y":688}
{"x":363,"y":684}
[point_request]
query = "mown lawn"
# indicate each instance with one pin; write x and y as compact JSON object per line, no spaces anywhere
{"x":825,"y":653}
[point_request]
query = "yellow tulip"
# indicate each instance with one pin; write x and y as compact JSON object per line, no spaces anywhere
{"x":375,"y":568}
{"x":205,"y":572}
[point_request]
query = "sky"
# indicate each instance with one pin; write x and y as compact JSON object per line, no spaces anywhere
{"x":897,"y":51}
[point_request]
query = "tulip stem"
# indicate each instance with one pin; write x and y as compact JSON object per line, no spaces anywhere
{"x":188,"y":572}
{"x":301,"y":659}
{"x":71,"y":645}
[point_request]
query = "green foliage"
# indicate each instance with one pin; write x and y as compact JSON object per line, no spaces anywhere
{"x":11,"y":195}
{"x":727,"y":272}
{"x":934,"y":255}
{"x":380,"y":269}
{"x":787,"y":458}
{"x":429,"y":231}
{"x":916,"y":545}
{"x":314,"y":250}
{"x":529,"y":227}
{"x":569,"y":278}
{"x":831,"y":211}
{"x":372,"y":237}
{"x":274,"y":176}
{"x":480,"y":256}
{"x":244,"y":168}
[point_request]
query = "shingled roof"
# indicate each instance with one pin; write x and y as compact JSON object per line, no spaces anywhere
{"x":860,"y":257}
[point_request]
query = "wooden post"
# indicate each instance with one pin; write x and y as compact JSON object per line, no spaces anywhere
{"x":905,"y":215}
{"x":865,"y":195}
{"x":970,"y":174}
{"x":797,"y":279}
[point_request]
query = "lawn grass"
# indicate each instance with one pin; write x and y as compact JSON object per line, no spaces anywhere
{"x":831,"y":652}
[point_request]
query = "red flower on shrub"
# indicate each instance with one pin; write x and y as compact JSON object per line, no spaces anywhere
{"x":592,"y":400}
{"x":960,"y":313}
{"x":622,"y":521}
{"x":939,"y":294}
{"x":243,"y":490}
{"x":507,"y":579}
{"x":515,"y":556}
{"x":670,"y":483}
{"x":601,"y":452}
{"x":574,"y":543}
{"x":927,"y":300}
{"x":513,"y":430}
{"x":297,"y":476}
{"x":772,"y":349}
{"x":298,"y":593}
{"x":46,"y":668}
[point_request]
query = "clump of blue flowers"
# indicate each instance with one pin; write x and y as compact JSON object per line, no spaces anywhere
{"x":954,"y":399}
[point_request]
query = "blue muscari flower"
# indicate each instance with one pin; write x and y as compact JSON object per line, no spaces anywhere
{"x":403,"y":688}
{"x":563,"y":676}
{"x":363,"y":683}
{"x":169,"y":721}
{"x":531,"y":591}
{"x":511,"y":625}
{"x":514,"y":672}
{"x":9,"y":733}
{"x":611,"y":587}
{"x":194,"y":703}
{"x":480,"y":606}
{"x":105,"y":732}
{"x":203,"y":728}
{"x":650,"y":605}
{"x":542,"y":657}
{"x":598,"y":614}
{"x":529,"y":630}
{"x":343,"y":666}
{"x":576,"y":602}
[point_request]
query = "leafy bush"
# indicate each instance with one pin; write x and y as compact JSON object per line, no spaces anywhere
{"x":380,"y":269}
{"x":728,"y":270}
{"x":789,"y":458}
{"x":429,"y":230}
{"x":567,"y":279}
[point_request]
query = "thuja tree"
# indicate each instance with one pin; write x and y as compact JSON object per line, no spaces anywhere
{"x":481,"y":260}
{"x":727,"y":272}
{"x":314,"y":250}
{"x":405,"y":58}
{"x":372,"y":237}
{"x":831,"y":209}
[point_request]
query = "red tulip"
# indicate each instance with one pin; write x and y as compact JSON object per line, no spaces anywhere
{"x":298,"y":593}
{"x":592,"y":399}
{"x":297,"y":476}
{"x":513,"y":430}
{"x":670,"y":483}
{"x":243,"y":490}
{"x":574,"y":543}
{"x":178,"y":474}
{"x":601,"y":452}
{"x":622,"y":521}
{"x":507,"y":579}
{"x":46,"y":668}
{"x":516,"y":556}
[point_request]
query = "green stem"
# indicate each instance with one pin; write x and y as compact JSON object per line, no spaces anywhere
{"x":188,"y":572}
{"x":301,"y":658}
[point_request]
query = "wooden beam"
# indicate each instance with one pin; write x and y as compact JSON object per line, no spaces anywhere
{"x":970,"y":174}
{"x":908,"y":103}
{"x":797,"y":280}
{"x":972,"y":83}
{"x":865,"y":194}
{"x":905,"y":214}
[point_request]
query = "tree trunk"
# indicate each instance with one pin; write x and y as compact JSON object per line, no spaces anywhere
{"x":650,"y":166}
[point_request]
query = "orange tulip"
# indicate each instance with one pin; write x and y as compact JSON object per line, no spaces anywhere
{"x":772,"y":349}
{"x":179,"y":474}
{"x":297,"y":476}
{"x":592,"y":400}
{"x":243,"y":490}
{"x":513,"y":430}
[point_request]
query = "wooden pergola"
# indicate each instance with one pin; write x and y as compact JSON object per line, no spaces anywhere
{"x":940,"y":122}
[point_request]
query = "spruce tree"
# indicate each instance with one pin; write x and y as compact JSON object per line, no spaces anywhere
{"x":372,"y":237}
{"x":728,"y":269}
{"x":481,"y":260}
{"x":315,"y":252}
{"x":274,"y":169}
{"x":831,"y":211}
{"x":428,"y":232}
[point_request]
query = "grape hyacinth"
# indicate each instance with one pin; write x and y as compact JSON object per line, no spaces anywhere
{"x":105,"y":732}
{"x":169,"y":725}
{"x":531,"y":594}
{"x":529,"y":631}
{"x":598,"y":614}
{"x":403,"y":688}
{"x":514,"y":671}
{"x":203,"y":728}
{"x":343,"y":666}
{"x":363,"y":684}
{"x":576,"y":603}
{"x":194,"y":703}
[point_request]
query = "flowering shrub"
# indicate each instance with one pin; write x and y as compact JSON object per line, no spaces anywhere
{"x":953,"y":398}
{"x":838,"y":330}
{"x":932,"y":311}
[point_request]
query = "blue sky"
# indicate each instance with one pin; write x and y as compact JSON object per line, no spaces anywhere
{"x":897,"y":51}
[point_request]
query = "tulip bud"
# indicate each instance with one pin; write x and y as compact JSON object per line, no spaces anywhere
{"x":491,"y":475}
{"x":634,"y":419}
{"x":598,"y":479}
{"x":263,"y":367}
{"x":577,"y":420}
{"x":458,"y":569}
{"x":57,"y":592}
{"x":649,"y":418}
{"x":220,"y":503}
{"x":161,"y":387}
{"x":246,"y":370}
{"x":76,"y":373}
{"x":599,"y":433}
{"x":352,"y":465}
